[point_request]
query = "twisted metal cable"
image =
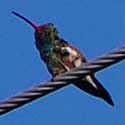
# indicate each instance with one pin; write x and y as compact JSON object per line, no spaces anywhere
{"x":62,"y":80}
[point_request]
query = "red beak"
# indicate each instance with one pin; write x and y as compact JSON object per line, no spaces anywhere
{"x":37,"y":28}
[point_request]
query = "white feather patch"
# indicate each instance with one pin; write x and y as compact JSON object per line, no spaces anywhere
{"x":72,"y":53}
{"x":88,"y":77}
{"x":78,"y":62}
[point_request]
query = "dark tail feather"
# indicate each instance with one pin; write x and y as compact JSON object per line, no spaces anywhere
{"x":99,"y":91}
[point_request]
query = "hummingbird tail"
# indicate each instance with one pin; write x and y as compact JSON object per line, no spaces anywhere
{"x":93,"y":87}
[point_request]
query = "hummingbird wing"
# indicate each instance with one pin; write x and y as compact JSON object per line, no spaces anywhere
{"x":89,"y":84}
{"x":92,"y":86}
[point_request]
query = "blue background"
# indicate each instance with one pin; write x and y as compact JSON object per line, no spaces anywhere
{"x":93,"y":26}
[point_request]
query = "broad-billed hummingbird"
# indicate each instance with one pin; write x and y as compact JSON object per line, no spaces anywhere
{"x":59,"y":57}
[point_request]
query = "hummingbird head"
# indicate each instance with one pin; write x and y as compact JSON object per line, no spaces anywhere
{"x":48,"y":32}
{"x":44,"y":34}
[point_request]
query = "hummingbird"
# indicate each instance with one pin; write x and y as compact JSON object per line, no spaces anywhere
{"x":59,"y":57}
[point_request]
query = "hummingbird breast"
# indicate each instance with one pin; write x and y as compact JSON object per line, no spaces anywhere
{"x":69,"y":57}
{"x":61,"y":57}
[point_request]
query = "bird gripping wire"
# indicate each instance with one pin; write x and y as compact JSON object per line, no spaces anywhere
{"x":61,"y":81}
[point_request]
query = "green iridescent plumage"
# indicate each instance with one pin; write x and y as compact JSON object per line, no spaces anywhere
{"x":49,"y":46}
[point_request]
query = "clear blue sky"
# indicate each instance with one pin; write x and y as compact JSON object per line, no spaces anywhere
{"x":93,"y":26}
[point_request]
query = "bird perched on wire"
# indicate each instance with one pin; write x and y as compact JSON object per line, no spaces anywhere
{"x":59,"y":57}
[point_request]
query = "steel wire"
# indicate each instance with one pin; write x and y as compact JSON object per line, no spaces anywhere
{"x":61,"y":81}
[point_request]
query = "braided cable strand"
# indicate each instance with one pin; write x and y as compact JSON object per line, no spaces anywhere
{"x":62,"y":80}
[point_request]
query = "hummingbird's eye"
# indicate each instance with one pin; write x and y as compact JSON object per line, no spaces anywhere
{"x":55,"y":30}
